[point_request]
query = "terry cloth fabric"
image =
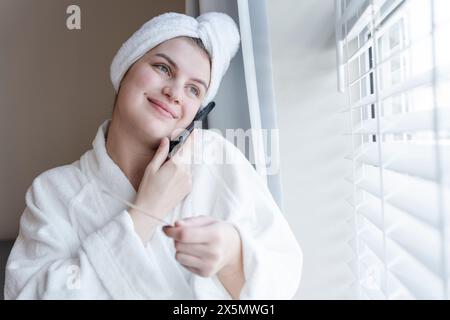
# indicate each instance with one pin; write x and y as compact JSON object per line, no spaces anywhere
{"x":217,"y":31}
{"x":75,"y":242}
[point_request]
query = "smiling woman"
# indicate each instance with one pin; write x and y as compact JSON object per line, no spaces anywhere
{"x":160,"y":92}
{"x":226,"y":238}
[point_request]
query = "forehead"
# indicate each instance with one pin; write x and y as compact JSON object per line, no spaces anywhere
{"x":186,"y":54}
{"x":181,"y":43}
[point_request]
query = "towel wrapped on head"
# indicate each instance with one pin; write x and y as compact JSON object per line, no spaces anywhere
{"x":217,"y":31}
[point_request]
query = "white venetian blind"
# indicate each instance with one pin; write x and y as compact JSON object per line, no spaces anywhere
{"x":394,"y":66}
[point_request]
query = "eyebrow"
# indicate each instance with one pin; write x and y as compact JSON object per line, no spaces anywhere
{"x":175,"y":66}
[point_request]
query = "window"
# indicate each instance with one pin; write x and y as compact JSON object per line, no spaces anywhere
{"x":394,"y":66}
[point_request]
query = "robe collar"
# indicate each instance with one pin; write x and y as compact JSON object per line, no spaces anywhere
{"x":104,"y":169}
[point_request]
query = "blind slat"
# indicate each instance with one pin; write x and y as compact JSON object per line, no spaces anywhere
{"x":439,"y":74}
{"x":418,"y":199}
{"x":396,"y":58}
{"x":407,"y":122}
{"x":404,"y":264}
{"x":408,"y":158}
{"x":414,"y":237}
{"x":364,"y":9}
{"x":419,"y":280}
{"x":396,"y":290}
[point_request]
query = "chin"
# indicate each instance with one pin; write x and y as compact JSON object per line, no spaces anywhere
{"x":153,"y":129}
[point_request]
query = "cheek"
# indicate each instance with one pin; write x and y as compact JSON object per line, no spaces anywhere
{"x":146,"y":78}
{"x":189,"y":113}
{"x":139,"y":79}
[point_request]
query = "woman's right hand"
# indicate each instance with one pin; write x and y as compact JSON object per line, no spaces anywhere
{"x":163,"y":185}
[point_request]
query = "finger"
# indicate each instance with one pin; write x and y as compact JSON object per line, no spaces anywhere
{"x":196,"y":221}
{"x":188,"y":260}
{"x":193,"y":270}
{"x":194,"y":249}
{"x":161,"y":154}
{"x":189,"y":234}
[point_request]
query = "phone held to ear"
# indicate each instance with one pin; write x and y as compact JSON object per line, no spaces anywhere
{"x":176,"y":144}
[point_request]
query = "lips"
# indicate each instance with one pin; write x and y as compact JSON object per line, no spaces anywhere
{"x":162,"y":108}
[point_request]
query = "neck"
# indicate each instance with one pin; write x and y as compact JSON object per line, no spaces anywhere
{"x":130,"y":153}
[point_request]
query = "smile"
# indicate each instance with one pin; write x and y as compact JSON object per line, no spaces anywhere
{"x":160,"y":110}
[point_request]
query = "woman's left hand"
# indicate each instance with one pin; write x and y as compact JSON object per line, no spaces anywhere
{"x":206,"y":246}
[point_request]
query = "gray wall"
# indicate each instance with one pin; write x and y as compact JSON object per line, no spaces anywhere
{"x":312,"y":147}
{"x":54,"y":85}
{"x":5,"y":248}
{"x":231,"y":99}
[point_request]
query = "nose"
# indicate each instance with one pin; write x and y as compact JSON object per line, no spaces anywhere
{"x":173,"y":92}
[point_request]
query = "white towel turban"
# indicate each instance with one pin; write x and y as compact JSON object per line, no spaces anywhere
{"x":217,"y":31}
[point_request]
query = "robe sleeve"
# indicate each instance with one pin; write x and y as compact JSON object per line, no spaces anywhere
{"x":49,"y":261}
{"x":272,"y":257}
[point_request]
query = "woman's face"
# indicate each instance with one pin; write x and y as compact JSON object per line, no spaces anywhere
{"x":164,"y":89}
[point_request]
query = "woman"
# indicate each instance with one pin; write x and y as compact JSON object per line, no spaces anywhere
{"x":91,"y":229}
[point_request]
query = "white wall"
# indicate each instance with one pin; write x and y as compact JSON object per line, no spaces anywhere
{"x":312,"y":146}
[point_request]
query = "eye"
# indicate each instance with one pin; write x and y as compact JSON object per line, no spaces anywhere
{"x":163,"y":68}
{"x":194,"y":90}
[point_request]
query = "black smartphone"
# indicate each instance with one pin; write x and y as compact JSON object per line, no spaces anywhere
{"x":179,"y":141}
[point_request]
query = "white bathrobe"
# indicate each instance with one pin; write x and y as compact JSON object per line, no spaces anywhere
{"x":76,"y":242}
